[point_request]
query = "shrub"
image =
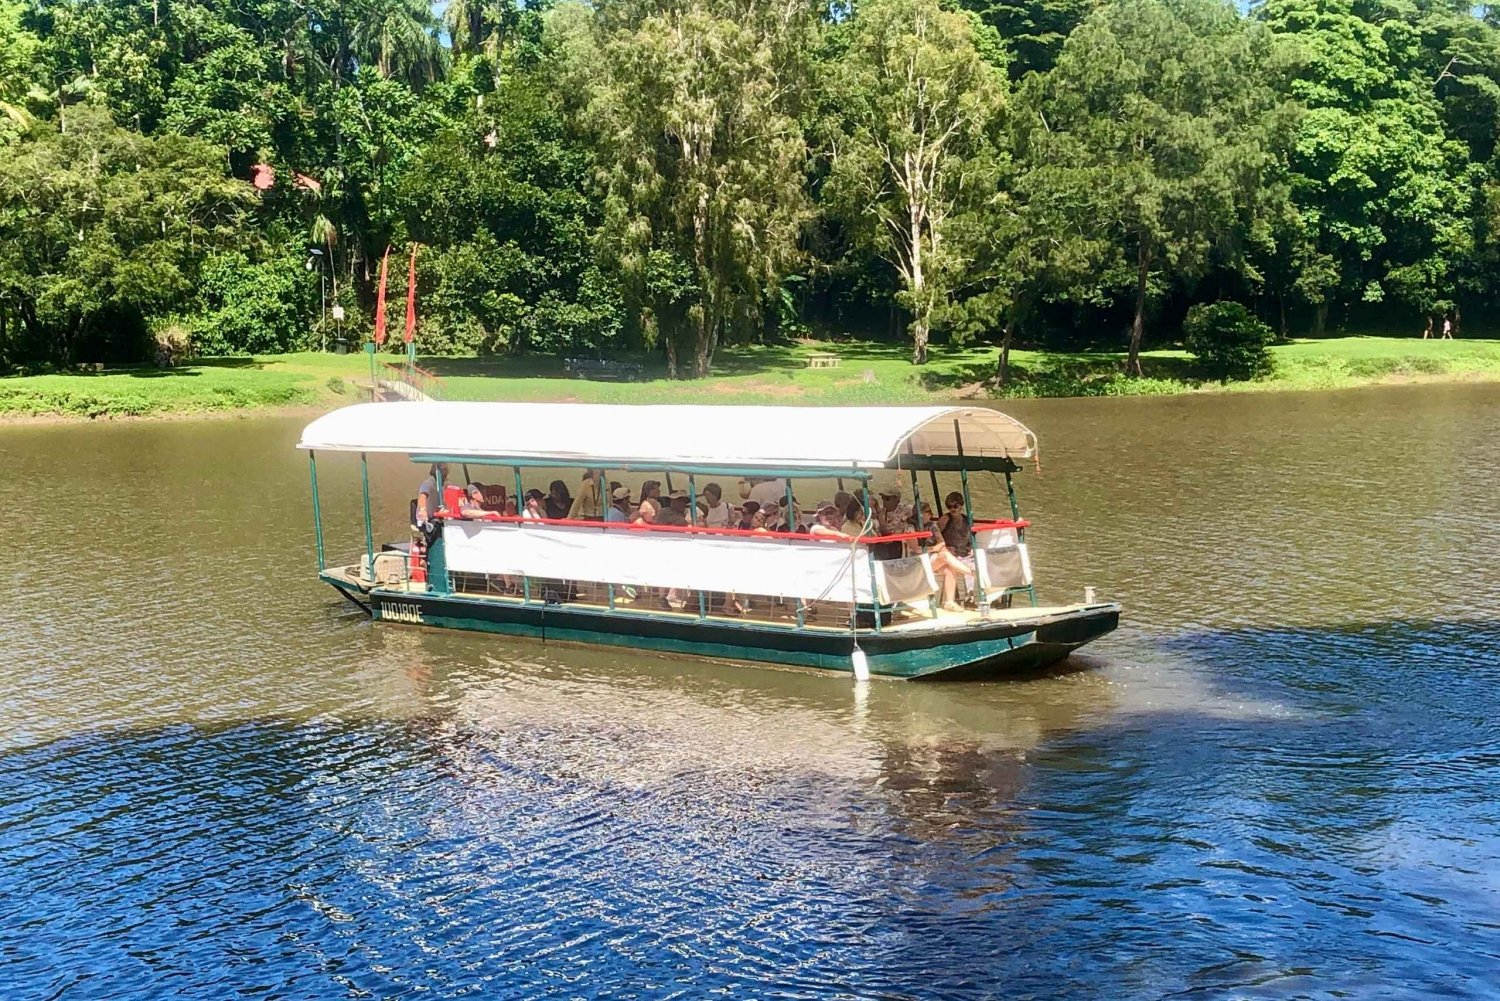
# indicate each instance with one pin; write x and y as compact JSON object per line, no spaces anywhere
{"x":336,"y":385}
{"x":1228,"y":341}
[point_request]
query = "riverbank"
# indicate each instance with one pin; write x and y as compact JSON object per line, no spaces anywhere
{"x":867,"y":374}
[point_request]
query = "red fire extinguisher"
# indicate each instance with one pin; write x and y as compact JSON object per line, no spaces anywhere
{"x":418,"y":562}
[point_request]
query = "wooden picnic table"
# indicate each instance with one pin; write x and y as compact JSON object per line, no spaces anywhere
{"x":823,"y":359}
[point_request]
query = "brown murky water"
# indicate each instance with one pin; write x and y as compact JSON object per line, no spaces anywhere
{"x":1277,"y":779}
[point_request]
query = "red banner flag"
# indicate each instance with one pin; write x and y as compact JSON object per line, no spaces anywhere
{"x":411,"y":296}
{"x":380,"y":301}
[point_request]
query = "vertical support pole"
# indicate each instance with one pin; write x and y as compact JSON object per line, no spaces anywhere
{"x":963,"y":476}
{"x":870,"y":558}
{"x":525,"y":580}
{"x":801,"y":611}
{"x":312,"y":471}
{"x":364,"y":478}
{"x":374,"y":386}
{"x":916,"y":491}
{"x":1015,"y":513}
{"x":692,"y":517}
{"x":606,"y":504}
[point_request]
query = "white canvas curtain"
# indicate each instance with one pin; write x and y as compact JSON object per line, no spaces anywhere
{"x":791,"y":568}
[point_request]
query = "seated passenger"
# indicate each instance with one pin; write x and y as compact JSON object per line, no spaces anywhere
{"x":645,"y":513}
{"x":558,"y":502}
{"x":854,"y":519}
{"x":651,"y":491}
{"x":533,"y":510}
{"x":620,"y":507}
{"x":718,"y":514}
{"x":472,"y":505}
{"x":954,"y":525}
{"x":827,"y":523}
{"x":675,"y":512}
{"x":758,"y":523}
{"x":510,"y":507}
{"x":747,"y":514}
{"x":945,"y":565}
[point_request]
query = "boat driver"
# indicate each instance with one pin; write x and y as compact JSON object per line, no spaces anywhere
{"x":429,"y":497}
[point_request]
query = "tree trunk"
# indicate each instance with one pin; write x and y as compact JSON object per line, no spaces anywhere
{"x":919,"y":334}
{"x":1281,"y":307}
{"x":1138,"y":325}
{"x":1320,"y":318}
{"x":1002,"y":374}
{"x":1458,"y":319}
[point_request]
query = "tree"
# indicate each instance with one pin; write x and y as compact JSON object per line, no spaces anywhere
{"x":100,"y":222}
{"x":1166,"y":118}
{"x":692,"y":106}
{"x":1034,"y":30}
{"x":1382,"y":193}
{"x":917,"y":148}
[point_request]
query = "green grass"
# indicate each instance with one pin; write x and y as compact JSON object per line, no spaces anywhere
{"x":869,"y":374}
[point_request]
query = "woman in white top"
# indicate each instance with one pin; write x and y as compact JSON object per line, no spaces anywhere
{"x":719,"y":513}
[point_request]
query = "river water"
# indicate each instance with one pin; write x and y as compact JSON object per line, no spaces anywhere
{"x":1278,"y":779}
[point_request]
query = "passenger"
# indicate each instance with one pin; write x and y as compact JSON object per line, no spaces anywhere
{"x":534,"y":510}
{"x":590,"y":503}
{"x":558,"y":502}
{"x":766,"y":491}
{"x":510,"y":507}
{"x":954,"y":525}
{"x":854,"y":519}
{"x":718,"y":513}
{"x":620,"y":507}
{"x":675,"y":512}
{"x":651,"y":491}
{"x":827,"y":523}
{"x":429,"y":498}
{"x":841,"y":499}
{"x":645,"y":514}
{"x":758,"y":523}
{"x":945,"y":565}
{"x":894,"y":514}
{"x":747,"y":513}
{"x":472,"y":504}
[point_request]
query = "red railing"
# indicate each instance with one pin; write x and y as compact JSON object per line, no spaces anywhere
{"x":444,"y":514}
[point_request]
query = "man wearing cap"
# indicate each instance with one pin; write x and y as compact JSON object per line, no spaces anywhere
{"x":893,"y":513}
{"x":675,"y":511}
{"x":826,"y":523}
{"x":619,"y":509}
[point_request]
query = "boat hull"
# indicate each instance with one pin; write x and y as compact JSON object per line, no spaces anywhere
{"x":981,"y":648}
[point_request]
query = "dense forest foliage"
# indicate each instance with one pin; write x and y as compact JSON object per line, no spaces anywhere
{"x":670,"y":176}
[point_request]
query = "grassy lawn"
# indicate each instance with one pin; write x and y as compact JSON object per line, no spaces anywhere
{"x":868,"y":374}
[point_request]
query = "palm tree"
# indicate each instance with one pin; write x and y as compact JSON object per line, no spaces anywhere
{"x":400,"y":38}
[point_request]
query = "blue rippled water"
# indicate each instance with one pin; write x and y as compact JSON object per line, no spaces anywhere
{"x":1268,"y":785}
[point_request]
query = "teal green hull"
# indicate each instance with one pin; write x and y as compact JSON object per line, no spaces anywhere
{"x":983,"y":649}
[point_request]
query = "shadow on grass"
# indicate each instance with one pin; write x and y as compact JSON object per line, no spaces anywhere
{"x":1047,"y":374}
{"x":737,"y":361}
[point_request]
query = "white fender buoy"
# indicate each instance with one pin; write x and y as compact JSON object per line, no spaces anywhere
{"x":861,"y":665}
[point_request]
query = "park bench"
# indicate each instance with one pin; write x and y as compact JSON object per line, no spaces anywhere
{"x":602,"y":368}
{"x":823,"y":359}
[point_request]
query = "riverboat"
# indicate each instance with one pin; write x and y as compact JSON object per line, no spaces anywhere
{"x":866,"y":606}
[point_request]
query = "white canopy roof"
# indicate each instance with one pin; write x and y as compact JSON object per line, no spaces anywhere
{"x":578,"y":434}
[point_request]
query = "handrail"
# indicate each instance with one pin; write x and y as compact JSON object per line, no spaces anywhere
{"x":430,"y":384}
{"x":443,"y":514}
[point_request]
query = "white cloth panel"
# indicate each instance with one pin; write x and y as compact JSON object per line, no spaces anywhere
{"x":785,"y":567}
{"x":1002,"y":555}
{"x":910,"y":579}
{"x":995,"y":538}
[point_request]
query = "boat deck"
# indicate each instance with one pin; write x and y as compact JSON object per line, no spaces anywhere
{"x":826,"y":616}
